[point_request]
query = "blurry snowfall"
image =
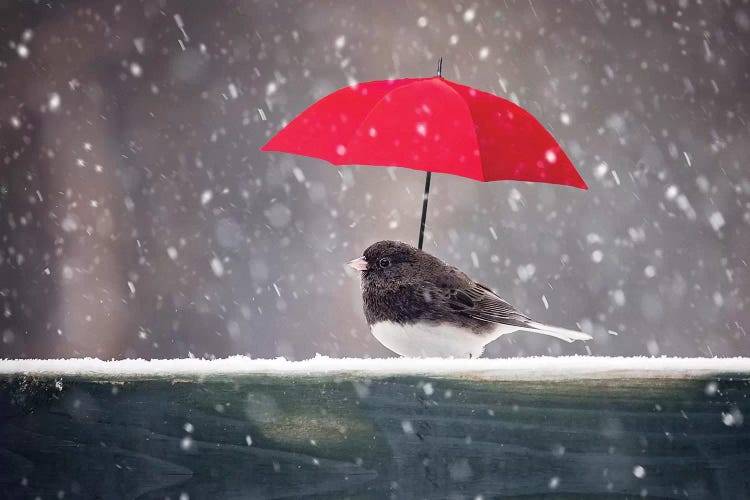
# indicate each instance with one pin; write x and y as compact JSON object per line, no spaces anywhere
{"x":138,"y":218}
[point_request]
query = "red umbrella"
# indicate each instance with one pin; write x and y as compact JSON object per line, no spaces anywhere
{"x":429,"y":124}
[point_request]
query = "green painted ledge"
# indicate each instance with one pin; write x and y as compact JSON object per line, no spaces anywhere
{"x":578,"y":427}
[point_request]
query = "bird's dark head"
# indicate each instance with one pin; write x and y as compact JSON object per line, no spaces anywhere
{"x":392,"y":262}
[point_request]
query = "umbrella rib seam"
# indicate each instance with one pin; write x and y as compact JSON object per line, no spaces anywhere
{"x":372,"y":110}
{"x":473,"y":132}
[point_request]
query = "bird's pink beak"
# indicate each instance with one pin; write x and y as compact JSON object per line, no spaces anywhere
{"x":358,"y":264}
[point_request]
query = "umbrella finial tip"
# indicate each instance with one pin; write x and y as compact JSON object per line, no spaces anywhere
{"x":440,"y":67}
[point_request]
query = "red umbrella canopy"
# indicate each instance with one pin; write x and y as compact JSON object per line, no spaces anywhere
{"x":429,"y":124}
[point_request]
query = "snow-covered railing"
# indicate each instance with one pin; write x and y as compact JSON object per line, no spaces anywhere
{"x":375,"y":428}
{"x":533,"y":368}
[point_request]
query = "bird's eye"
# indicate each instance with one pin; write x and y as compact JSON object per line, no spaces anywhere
{"x":384,"y":262}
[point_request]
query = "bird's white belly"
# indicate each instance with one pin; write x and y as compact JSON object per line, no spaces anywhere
{"x":429,"y":340}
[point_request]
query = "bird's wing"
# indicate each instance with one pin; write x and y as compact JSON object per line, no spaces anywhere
{"x":479,"y":302}
{"x":468,"y":298}
{"x":461,"y":294}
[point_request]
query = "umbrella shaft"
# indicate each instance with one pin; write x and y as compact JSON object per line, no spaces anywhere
{"x":424,"y":208}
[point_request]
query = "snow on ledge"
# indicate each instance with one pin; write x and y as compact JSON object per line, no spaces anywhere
{"x":534,"y":368}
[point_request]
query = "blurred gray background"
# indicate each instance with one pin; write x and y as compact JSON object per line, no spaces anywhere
{"x":138,"y":218}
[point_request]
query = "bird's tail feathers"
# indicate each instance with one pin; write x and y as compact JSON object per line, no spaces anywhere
{"x":554,"y":331}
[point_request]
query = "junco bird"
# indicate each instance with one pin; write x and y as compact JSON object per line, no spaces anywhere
{"x":416,"y":305}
